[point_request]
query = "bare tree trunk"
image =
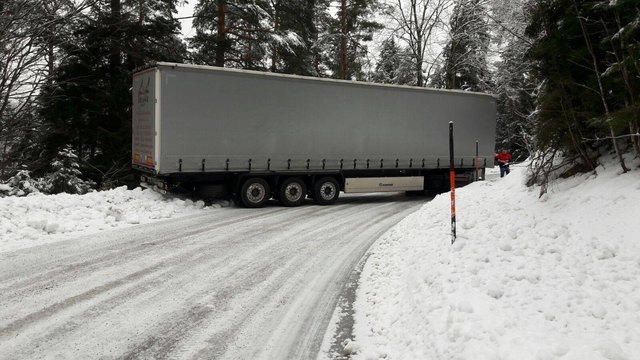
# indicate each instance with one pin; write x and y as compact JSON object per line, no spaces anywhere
{"x":576,"y":144}
{"x":141,"y":13}
{"x":316,"y":38}
{"x":248,"y":58}
{"x":221,"y":34}
{"x":343,"y":39}
{"x":601,"y":89}
{"x":633,"y":125}
{"x":114,"y":48}
{"x":419,"y":46}
{"x":50,"y":41}
{"x":276,"y":28}
{"x":3,"y":160}
{"x":50,"y":61}
{"x":634,"y":59}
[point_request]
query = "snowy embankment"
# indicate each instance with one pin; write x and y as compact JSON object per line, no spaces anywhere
{"x":38,"y":219}
{"x":528,"y":278}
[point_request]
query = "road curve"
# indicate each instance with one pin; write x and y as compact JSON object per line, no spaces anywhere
{"x":229,"y":284}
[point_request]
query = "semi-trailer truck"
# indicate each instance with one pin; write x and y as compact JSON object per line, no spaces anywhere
{"x":213,"y":131}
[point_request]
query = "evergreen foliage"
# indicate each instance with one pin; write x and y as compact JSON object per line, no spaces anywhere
{"x":388,"y":63}
{"x":586,"y":56}
{"x":349,"y":32}
{"x":246,"y":33}
{"x":511,"y":79}
{"x":514,"y":89}
{"x":394,"y":65}
{"x":567,"y":82}
{"x":66,"y":176}
{"x":465,"y":55}
{"x":88,"y":102}
{"x":308,"y":19}
{"x":296,"y":36}
{"x":20,"y":184}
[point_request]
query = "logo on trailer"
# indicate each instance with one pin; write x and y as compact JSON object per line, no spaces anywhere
{"x":143,"y":91}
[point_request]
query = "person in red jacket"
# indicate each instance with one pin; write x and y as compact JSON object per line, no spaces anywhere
{"x":503,"y":158}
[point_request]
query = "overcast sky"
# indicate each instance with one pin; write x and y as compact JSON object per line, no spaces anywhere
{"x":187,"y":10}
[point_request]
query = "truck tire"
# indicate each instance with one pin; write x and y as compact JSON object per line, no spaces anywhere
{"x":292,"y":192}
{"x":326,"y":191}
{"x":255,"y":193}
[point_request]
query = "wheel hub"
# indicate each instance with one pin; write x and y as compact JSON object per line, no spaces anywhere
{"x":293,"y":192}
{"x":255,"y":193}
{"x":327,"y":191}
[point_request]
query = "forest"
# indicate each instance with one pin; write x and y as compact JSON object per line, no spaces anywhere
{"x":566,"y":73}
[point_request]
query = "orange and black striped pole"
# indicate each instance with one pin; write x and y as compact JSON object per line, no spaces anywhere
{"x":452,"y":182}
{"x":477,"y":178}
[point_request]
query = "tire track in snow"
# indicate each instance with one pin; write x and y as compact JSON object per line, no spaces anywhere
{"x":73,"y":273}
{"x":180,"y":260}
{"x":183,"y":259}
{"x":201,"y":296}
{"x":271,"y":280}
{"x":319,"y":309}
{"x":130,"y":249}
{"x":302,"y":340}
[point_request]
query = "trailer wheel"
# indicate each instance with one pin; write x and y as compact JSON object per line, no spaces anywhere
{"x":326,"y":191}
{"x":255,"y":193}
{"x":292,"y":192}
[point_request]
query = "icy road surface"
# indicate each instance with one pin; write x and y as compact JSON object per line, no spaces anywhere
{"x":232,"y":284}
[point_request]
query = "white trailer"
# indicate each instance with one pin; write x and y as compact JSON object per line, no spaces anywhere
{"x":262,"y":135}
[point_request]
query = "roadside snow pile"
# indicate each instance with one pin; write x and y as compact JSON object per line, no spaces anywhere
{"x":38,"y":218}
{"x":528,"y":278}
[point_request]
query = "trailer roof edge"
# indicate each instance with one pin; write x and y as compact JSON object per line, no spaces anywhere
{"x":312,"y":78}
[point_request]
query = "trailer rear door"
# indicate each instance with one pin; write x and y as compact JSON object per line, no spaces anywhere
{"x":146,"y":119}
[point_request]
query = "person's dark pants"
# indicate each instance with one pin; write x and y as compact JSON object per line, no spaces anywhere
{"x":504,"y":170}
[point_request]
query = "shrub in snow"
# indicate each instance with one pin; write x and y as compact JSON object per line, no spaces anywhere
{"x":66,"y":175}
{"x":20,"y":184}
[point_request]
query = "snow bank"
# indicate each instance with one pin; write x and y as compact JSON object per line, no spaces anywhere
{"x":38,"y":218}
{"x":528,"y":278}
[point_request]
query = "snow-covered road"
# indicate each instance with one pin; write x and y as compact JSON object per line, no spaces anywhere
{"x":230,"y":284}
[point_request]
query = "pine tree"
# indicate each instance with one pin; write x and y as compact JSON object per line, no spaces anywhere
{"x":66,"y":176}
{"x":512,"y":81}
{"x":515,"y":89}
{"x":465,"y":56}
{"x":349,"y":32}
{"x":395,"y":65}
{"x":88,"y":102}
{"x":307,"y":19}
{"x":586,"y":105}
{"x":20,"y":184}
{"x":622,"y":60}
{"x":406,"y":74}
{"x":438,"y":80}
{"x":247,"y":34}
{"x":388,"y":63}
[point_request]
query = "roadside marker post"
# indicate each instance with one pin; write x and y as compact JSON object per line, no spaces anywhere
{"x":452,"y":184}
{"x":477,"y":175}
